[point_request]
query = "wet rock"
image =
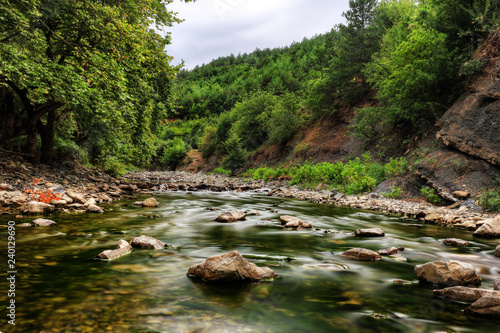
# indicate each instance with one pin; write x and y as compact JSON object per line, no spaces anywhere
{"x":463,"y":294}
{"x":490,"y":228}
{"x":150,"y":202}
{"x":76,"y":206}
{"x":361,"y":254}
{"x":35,"y":207}
{"x":230,"y":267}
{"x":127,"y":187}
{"x":486,"y":306}
{"x":239,"y":216}
{"x":44,"y":223}
{"x":23,"y":225}
{"x":388,"y":252}
{"x":294,"y":222}
{"x":253,"y":213}
{"x":455,"y":242}
{"x":147,"y":242}
{"x":497,"y":251}
{"x":448,"y":273}
{"x":373,"y":232}
{"x":77,"y":197}
{"x":398,"y":257}
{"x":401,"y":281}
{"x":225,"y":218}
{"x":94,"y":209}
{"x":211,"y":208}
{"x":122,"y":248}
{"x":496,"y":284}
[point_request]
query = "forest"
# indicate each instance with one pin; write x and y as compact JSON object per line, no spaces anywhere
{"x":91,"y":83}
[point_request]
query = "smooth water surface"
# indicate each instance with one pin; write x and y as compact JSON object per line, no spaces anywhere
{"x":60,"y":288}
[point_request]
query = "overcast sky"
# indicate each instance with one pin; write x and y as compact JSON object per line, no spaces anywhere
{"x":217,"y":28}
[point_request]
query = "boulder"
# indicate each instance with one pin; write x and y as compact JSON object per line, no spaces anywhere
{"x":43,"y":223}
{"x":455,"y":242}
{"x":122,"y":248}
{"x":361,"y":254}
{"x":294,"y":222}
{"x":388,"y":252}
{"x":147,"y":242}
{"x":35,"y":207}
{"x":150,"y":202}
{"x":230,"y":267}
{"x":77,"y":197}
{"x":486,"y":306}
{"x":225,"y":218}
{"x":490,"y":228}
{"x":448,"y":273}
{"x":463,"y":294}
{"x":374,"y":232}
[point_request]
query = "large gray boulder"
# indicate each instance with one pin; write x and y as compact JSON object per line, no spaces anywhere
{"x":147,"y":242}
{"x":122,"y":248}
{"x":448,"y":273}
{"x":294,"y":222}
{"x":490,"y":228}
{"x":463,"y":294}
{"x":230,"y":267}
{"x":361,"y":254}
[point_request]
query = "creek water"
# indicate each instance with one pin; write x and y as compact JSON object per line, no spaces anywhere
{"x":61,"y":288}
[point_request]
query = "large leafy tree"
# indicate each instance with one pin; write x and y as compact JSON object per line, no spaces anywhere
{"x":100,"y":63}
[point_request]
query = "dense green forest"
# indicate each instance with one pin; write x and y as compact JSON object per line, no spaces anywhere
{"x":92,"y":81}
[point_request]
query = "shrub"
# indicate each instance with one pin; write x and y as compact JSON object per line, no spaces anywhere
{"x":396,"y":167}
{"x":394,"y":194}
{"x":174,"y":152}
{"x":490,"y":200}
{"x":430,"y":195}
{"x":236,"y":154}
{"x":222,"y":171}
{"x":208,"y":143}
{"x":113,"y":166}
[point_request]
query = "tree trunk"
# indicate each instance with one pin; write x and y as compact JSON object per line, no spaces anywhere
{"x":47,"y":134}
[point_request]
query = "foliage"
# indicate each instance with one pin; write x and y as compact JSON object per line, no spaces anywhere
{"x":113,"y":166}
{"x":222,"y":171}
{"x":394,"y":194}
{"x":430,"y":195}
{"x":208,"y":143}
{"x":174,"y":152}
{"x":490,"y":200}
{"x":469,"y":68}
{"x":396,"y":167}
{"x":236,"y":155}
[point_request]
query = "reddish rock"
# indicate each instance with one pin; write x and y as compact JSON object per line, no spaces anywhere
{"x":225,"y":218}
{"x":388,"y":252}
{"x":230,"y":267}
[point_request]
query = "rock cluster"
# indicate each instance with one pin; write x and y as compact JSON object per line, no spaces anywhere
{"x":124,"y":247}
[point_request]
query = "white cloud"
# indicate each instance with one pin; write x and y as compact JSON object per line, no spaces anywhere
{"x":217,"y":28}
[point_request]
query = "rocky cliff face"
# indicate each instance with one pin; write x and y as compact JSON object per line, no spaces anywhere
{"x":472,"y":125}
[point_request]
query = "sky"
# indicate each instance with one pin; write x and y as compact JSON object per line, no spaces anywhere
{"x":217,"y":28}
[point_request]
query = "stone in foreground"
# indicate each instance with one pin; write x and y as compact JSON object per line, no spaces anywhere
{"x":230,"y":267}
{"x":122,"y":248}
{"x":361,"y":254}
{"x":490,"y":228}
{"x":448,"y":273}
{"x":44,"y":223}
{"x":147,"y":242}
{"x":294,"y":222}
{"x":486,"y":306}
{"x":150,"y":202}
{"x":374,"y":232}
{"x":455,"y":242}
{"x":463,"y":294}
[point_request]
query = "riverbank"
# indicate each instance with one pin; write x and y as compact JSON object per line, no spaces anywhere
{"x":83,"y":189}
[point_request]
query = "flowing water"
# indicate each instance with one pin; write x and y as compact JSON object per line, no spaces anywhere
{"x":60,"y":288}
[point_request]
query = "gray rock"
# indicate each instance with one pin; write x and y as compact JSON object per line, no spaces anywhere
{"x":455,"y":242}
{"x":491,"y":228}
{"x":230,"y":267}
{"x":487,"y":306}
{"x":294,"y":222}
{"x":122,"y":248}
{"x":150,"y":202}
{"x":448,"y":273}
{"x":147,"y":242}
{"x":373,"y":232}
{"x":361,"y":254}
{"x":463,"y":294}
{"x":43,"y":223}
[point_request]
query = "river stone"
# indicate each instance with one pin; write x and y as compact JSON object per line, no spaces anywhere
{"x":461,"y":194}
{"x":44,"y":223}
{"x":455,"y":242}
{"x":388,"y":252}
{"x":94,"y":209}
{"x":448,"y":273}
{"x":150,"y":202}
{"x":374,"y":232}
{"x":491,"y":228}
{"x":58,"y":202}
{"x":35,"y":207}
{"x":76,"y":196}
{"x":253,"y":213}
{"x":497,"y":251}
{"x":122,"y":248}
{"x":230,"y":267}
{"x":487,"y":306}
{"x":294,"y":222}
{"x":239,"y":216}
{"x":6,"y":187}
{"x":23,"y":225}
{"x":147,"y":242}
{"x":463,"y":294}
{"x":225,"y":218}
{"x":496,"y":285}
{"x":361,"y":254}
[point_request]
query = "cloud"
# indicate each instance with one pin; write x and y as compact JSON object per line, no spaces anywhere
{"x":217,"y":28}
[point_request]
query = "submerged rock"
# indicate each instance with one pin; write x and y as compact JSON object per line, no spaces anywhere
{"x":448,"y":273}
{"x":294,"y":222}
{"x":487,"y":306}
{"x":122,"y":248}
{"x":373,"y":232}
{"x":463,"y":294}
{"x":150,"y":202}
{"x":44,"y":223}
{"x":361,"y":254}
{"x":455,"y":242}
{"x":230,"y":267}
{"x":491,"y":228}
{"x":147,"y":242}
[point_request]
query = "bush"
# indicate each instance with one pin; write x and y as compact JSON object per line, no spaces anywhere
{"x":490,"y":200}
{"x":430,"y":195}
{"x":113,"y":166}
{"x":222,"y":171}
{"x":394,"y":194}
{"x":396,"y":167}
{"x":208,"y":143}
{"x":236,"y":154}
{"x":174,"y":152}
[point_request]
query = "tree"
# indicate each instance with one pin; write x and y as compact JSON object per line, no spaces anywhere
{"x":100,"y":61}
